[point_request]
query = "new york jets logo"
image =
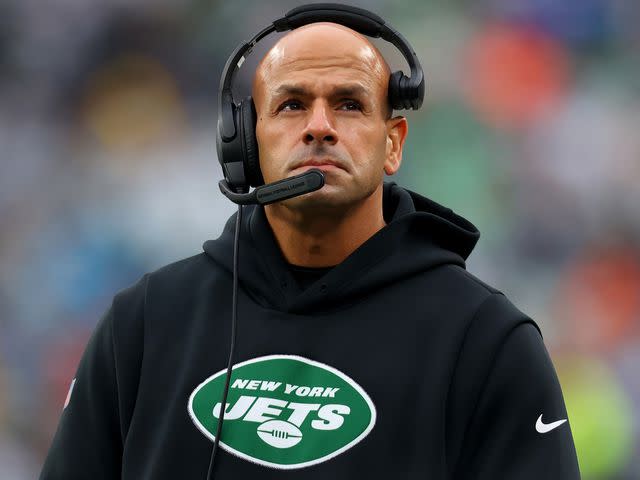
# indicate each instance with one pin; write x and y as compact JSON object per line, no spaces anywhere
{"x":284,"y":411}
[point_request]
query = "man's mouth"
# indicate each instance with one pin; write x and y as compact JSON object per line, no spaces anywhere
{"x":322,"y":164}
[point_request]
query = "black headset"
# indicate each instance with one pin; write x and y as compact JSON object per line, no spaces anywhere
{"x":238,"y":148}
{"x":236,"y":136}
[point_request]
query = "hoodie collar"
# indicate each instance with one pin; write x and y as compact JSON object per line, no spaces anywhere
{"x":420,"y":234}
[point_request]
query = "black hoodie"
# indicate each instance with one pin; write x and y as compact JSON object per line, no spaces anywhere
{"x":396,"y":363}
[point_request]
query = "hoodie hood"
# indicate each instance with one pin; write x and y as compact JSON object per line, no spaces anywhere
{"x":420,"y":234}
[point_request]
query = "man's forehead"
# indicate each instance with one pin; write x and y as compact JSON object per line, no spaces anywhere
{"x":319,"y":46}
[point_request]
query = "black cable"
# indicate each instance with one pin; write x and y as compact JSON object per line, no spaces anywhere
{"x":234,"y":321}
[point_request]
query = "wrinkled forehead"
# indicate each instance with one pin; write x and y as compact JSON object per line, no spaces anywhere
{"x":322,"y":49}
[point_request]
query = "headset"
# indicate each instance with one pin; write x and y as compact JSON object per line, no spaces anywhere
{"x":236,"y":142}
{"x":236,"y":133}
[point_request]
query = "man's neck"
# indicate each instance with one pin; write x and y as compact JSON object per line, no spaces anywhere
{"x":324,"y":240}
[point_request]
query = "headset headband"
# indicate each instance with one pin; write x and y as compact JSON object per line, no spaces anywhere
{"x":358,"y":19}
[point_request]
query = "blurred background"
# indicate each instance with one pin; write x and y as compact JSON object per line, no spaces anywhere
{"x":530,"y":129}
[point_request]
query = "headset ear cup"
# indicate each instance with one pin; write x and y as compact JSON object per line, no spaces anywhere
{"x":250,"y":144}
{"x":396,"y":99}
{"x":400,"y":92}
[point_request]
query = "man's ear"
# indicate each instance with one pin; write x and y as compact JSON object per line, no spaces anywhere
{"x":397,"y":128}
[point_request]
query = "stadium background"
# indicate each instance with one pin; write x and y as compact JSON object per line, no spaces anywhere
{"x":530,"y":129}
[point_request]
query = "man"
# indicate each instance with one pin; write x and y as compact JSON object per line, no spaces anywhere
{"x":365,"y":349}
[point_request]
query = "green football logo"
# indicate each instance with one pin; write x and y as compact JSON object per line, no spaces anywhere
{"x":284,"y":411}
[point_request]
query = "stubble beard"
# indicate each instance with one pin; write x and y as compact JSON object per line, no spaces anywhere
{"x":335,"y":200}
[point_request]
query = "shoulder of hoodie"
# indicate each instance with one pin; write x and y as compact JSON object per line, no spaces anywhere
{"x":492,"y":309}
{"x":494,"y":326}
{"x":491,"y":322}
{"x":161,"y":283}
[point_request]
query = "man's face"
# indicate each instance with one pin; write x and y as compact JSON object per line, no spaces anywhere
{"x":321,"y":100}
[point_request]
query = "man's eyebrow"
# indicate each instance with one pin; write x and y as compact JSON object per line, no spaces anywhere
{"x":349,"y":91}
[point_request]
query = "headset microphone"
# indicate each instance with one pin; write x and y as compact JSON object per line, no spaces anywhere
{"x":307,"y":182}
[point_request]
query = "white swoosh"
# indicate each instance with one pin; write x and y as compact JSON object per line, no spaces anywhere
{"x":547,"y":427}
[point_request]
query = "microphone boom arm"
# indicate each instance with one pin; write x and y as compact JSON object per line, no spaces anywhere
{"x":306,"y":182}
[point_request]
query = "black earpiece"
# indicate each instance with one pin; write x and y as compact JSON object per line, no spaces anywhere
{"x":236,"y":142}
{"x":250,"y":143}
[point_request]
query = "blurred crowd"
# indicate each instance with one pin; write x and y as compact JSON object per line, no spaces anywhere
{"x":530,"y":129}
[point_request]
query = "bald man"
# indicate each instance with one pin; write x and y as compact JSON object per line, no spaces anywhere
{"x":365,"y":348}
{"x":328,"y":109}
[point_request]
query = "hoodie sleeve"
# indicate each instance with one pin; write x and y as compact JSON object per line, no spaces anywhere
{"x":89,"y":439}
{"x":517,"y":425}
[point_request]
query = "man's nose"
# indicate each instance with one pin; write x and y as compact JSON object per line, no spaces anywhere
{"x":320,"y":128}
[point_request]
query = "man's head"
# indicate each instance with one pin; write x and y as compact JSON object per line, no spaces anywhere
{"x":321,"y":96}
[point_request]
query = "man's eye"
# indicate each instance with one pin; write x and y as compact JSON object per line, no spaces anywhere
{"x":291,"y":105}
{"x":351,"y":105}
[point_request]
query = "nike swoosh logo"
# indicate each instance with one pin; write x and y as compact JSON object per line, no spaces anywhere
{"x":547,"y":427}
